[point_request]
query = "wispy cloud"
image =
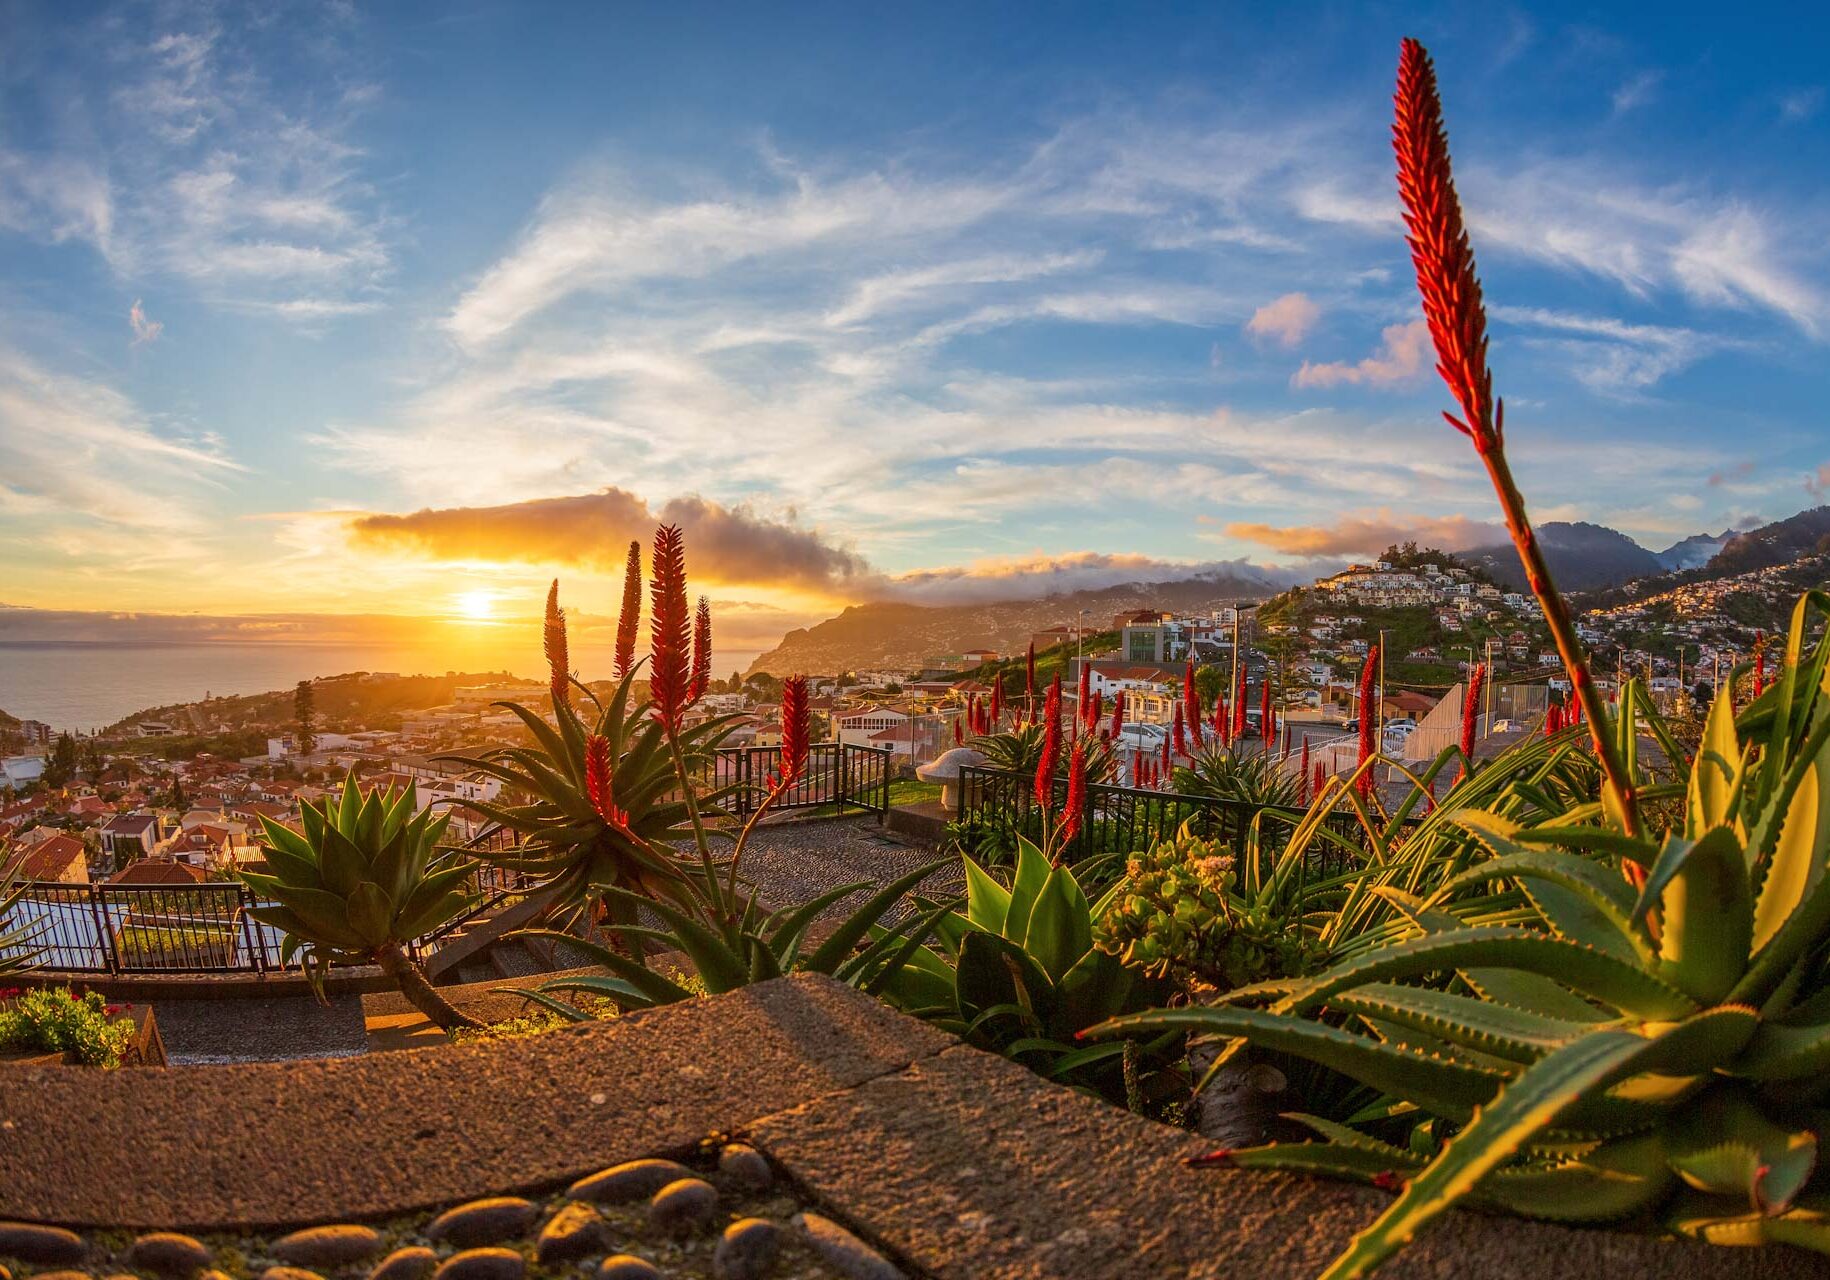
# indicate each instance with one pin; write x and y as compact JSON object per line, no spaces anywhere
{"x":191,"y":166}
{"x":1371,"y":532}
{"x":1637,"y":91}
{"x":1801,"y":104}
{"x":144,"y":330}
{"x":1399,"y":360}
{"x":1287,"y":320}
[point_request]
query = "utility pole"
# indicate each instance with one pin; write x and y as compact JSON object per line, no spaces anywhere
{"x":1487,"y":657}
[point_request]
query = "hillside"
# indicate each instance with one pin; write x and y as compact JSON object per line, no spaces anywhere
{"x":1693,"y":552}
{"x":899,"y":636}
{"x":1778,"y":543}
{"x":1582,"y":557}
{"x":339,"y":701}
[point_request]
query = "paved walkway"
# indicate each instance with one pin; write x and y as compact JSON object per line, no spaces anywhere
{"x":792,"y":862}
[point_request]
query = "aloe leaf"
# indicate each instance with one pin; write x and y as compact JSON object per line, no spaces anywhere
{"x":987,"y":901}
{"x":1442,"y":1086}
{"x":1581,"y":901}
{"x":1722,"y":1144}
{"x":1796,"y":864}
{"x":1780,"y":1051}
{"x":1617,"y":1180}
{"x":1701,"y":889}
{"x":1032,"y":874}
{"x":1514,"y":1034}
{"x":1718,"y":761}
{"x":1060,"y":929}
{"x":852,"y":929}
{"x":1586,"y":969}
{"x":1527,"y":1107}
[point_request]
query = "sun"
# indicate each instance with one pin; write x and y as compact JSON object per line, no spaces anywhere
{"x":478,"y":605}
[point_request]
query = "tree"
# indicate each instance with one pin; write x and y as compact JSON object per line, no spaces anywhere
{"x":178,"y":793}
{"x":305,"y":716}
{"x":1210,"y":683}
{"x":92,"y":762}
{"x":61,"y":767}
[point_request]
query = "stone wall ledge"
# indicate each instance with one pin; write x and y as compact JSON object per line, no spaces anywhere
{"x":956,"y":1163}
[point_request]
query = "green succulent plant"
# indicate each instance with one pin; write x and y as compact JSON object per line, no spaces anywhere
{"x":361,"y":885}
{"x":1623,"y":1051}
{"x":1255,"y":780}
{"x":1017,"y":973}
{"x":731,"y":948}
{"x":17,"y":948}
{"x":566,"y":842}
{"x":1020,"y":750}
{"x":1182,"y":911}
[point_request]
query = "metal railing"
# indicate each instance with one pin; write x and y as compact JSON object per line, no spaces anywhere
{"x":839,"y":775}
{"x":1120,"y":819}
{"x":138,"y":929}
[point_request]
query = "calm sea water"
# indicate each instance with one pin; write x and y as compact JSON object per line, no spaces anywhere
{"x":88,"y":686}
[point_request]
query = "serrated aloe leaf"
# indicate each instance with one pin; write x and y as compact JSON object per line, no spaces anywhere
{"x":1797,"y":862}
{"x":1617,"y":1180}
{"x":1723,"y":1144}
{"x":987,"y":901}
{"x":1780,"y":1051}
{"x":1586,"y":969}
{"x":1440,"y":1085}
{"x":1583,"y":902}
{"x":1514,"y":1034}
{"x":1714,"y":770}
{"x":1701,"y":889}
{"x":1525,"y":1109}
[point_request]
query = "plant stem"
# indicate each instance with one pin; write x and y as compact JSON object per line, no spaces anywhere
{"x":692,"y":812}
{"x":420,"y":993}
{"x":1615,"y":778}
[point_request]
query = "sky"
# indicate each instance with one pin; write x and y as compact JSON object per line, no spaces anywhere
{"x":338,"y":309}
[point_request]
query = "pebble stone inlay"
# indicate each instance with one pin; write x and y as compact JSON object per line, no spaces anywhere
{"x":720,"y":1214}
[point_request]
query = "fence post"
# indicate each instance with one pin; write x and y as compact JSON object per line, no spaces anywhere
{"x":839,"y":756}
{"x":104,"y":935}
{"x":250,"y":933}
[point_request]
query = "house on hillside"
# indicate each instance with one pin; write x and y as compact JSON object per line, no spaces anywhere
{"x":60,"y":859}
{"x":128,"y":836}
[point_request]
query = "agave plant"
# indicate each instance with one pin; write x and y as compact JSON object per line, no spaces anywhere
{"x":1017,"y":973}
{"x":1020,"y":749}
{"x":1257,"y":780}
{"x":1621,"y":1051}
{"x":364,"y":881}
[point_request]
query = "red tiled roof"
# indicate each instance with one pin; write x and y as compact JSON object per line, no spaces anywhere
{"x":156,"y":871}
{"x":49,"y":859}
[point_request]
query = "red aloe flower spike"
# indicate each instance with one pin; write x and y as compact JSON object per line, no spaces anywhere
{"x":1239,"y":705}
{"x":1051,"y":747}
{"x":558,"y":663}
{"x":1267,"y":723}
{"x":1302,"y":770}
{"x":1096,"y":710}
{"x":1221,"y":723}
{"x":1470,"y":715}
{"x":630,"y":619}
{"x":997,"y":702}
{"x":958,"y":737}
{"x":1321,"y":779}
{"x":1076,"y":797}
{"x":1368,"y":713}
{"x":1191,"y":704}
{"x":1178,"y":732}
{"x":669,"y":667}
{"x":1118,"y":714}
{"x":598,"y":783}
{"x":1759,"y":662}
{"x":702,"y":651}
{"x":1451,"y":294}
{"x":796,"y":734}
{"x":1083,"y":694}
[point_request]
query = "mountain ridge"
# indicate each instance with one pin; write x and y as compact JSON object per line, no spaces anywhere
{"x":892,"y":635}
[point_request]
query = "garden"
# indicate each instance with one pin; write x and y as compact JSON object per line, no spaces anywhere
{"x":1585,"y":981}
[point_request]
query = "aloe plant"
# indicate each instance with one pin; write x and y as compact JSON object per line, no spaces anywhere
{"x":1255,"y":780}
{"x":1017,"y":973}
{"x":579,"y":851}
{"x":1620,"y":1051}
{"x":731,"y":949}
{"x":364,"y":881}
{"x":18,"y":951}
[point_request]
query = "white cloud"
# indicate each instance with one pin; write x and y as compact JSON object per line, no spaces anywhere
{"x":1637,"y":91}
{"x":1801,"y":104}
{"x":1288,"y":319}
{"x":144,"y":330}
{"x":1401,"y":357}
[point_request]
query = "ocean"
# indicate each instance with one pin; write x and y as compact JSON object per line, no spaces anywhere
{"x":89,"y":686}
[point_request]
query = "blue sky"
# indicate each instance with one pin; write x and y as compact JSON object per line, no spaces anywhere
{"x":927,"y":301}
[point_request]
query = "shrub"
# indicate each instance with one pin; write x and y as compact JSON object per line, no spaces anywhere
{"x":57,"y":1020}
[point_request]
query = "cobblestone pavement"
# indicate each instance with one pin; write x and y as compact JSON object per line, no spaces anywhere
{"x":792,"y":862}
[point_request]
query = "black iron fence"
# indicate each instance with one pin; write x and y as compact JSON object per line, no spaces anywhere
{"x":131,"y":929}
{"x":839,"y":775}
{"x":1120,"y":819}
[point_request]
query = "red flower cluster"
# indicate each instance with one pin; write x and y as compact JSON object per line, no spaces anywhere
{"x":599,"y":777}
{"x":558,"y":662}
{"x":1302,"y":770}
{"x":1118,"y":714}
{"x":1440,"y":250}
{"x":630,"y":619}
{"x":670,"y":662}
{"x":1239,"y":708}
{"x":702,"y":651}
{"x":1191,"y":703}
{"x":1178,"y":732}
{"x":1368,"y":714}
{"x":796,"y":734}
{"x":1051,"y":746}
{"x":1076,"y":794}
{"x":1470,"y":715}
